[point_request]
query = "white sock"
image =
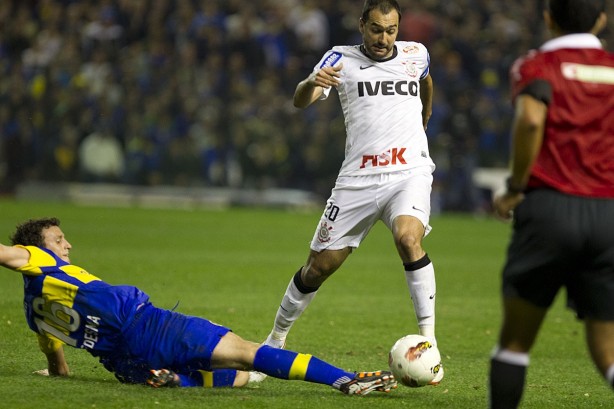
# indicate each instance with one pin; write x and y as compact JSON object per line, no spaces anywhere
{"x":510,"y":357}
{"x":422,"y":288}
{"x":292,"y":306}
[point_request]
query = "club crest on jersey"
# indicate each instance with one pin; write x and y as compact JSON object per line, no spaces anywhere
{"x":324,"y":232}
{"x":410,"y":69}
{"x":331,"y":59}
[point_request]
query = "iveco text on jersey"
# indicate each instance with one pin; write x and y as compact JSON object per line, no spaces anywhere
{"x":387,"y":88}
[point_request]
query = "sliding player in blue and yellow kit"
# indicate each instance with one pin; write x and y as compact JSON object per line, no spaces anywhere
{"x":138,"y":342}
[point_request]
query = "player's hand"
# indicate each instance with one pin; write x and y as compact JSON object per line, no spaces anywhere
{"x":505,"y":203}
{"x":327,"y":77}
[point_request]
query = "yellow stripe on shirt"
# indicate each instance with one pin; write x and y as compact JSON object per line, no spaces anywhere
{"x":59,"y":291}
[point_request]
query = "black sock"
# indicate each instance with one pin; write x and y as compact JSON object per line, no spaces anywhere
{"x":506,"y":384}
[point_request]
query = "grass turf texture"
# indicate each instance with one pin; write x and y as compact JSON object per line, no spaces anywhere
{"x":233,"y":266}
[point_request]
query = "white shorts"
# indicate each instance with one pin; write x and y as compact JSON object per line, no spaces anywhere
{"x":358,"y":202}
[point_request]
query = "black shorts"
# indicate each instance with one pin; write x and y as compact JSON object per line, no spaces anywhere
{"x":563,"y":241}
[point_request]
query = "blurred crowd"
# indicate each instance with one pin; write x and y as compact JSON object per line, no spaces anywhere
{"x":199,"y":92}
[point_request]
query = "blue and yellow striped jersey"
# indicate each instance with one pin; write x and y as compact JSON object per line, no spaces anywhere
{"x":71,"y":306}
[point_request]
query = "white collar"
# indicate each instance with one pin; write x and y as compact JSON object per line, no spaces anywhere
{"x":580,"y":40}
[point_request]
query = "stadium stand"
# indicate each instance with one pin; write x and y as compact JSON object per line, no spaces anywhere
{"x":197,"y":93}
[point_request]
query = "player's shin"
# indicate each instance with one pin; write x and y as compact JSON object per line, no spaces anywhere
{"x":420,"y":276}
{"x":295,"y":300}
{"x":506,"y":378}
{"x":291,"y":365}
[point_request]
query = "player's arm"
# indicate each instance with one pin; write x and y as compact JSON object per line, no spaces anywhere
{"x":426,"y":96}
{"x":54,"y":351}
{"x":527,"y":137}
{"x":310,"y":89}
{"x":13,"y":257}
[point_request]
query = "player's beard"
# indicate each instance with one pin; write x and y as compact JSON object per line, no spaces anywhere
{"x":378,"y":52}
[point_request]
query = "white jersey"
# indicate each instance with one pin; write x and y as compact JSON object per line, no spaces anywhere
{"x":382,"y":108}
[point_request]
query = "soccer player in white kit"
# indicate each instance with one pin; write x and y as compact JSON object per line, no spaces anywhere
{"x":385,"y":92}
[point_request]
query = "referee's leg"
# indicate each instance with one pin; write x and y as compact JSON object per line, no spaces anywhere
{"x":510,"y":359}
{"x":600,"y":339}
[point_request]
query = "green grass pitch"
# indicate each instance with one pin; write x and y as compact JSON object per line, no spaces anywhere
{"x":233,"y":266}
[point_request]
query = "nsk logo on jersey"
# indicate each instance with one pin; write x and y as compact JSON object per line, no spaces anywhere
{"x":393,"y":156}
{"x":387,"y":88}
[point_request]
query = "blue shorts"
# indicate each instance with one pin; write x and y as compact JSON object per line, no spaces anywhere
{"x":159,"y":338}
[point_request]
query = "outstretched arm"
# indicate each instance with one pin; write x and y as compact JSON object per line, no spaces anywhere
{"x":13,"y":257}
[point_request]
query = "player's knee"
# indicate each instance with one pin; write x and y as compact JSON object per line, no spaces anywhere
{"x":409,"y":243}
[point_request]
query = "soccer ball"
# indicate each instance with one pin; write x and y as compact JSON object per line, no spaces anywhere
{"x":414,"y":361}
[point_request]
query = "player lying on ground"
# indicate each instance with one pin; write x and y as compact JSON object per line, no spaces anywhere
{"x":138,"y":342}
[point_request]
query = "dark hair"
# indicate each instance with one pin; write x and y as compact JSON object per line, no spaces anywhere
{"x":30,"y":233}
{"x":575,"y":16}
{"x":385,"y":6}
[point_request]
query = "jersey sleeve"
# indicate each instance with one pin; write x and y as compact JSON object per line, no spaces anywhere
{"x":539,"y":89}
{"x":331,"y":58}
{"x":47,"y":344}
{"x":427,"y":62}
{"x":527,"y":77}
{"x":38,"y":260}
